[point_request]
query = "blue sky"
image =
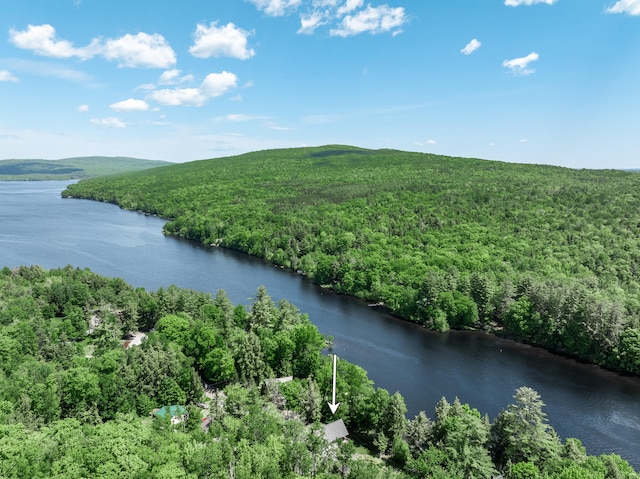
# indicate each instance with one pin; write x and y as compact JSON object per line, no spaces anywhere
{"x":529,"y":81}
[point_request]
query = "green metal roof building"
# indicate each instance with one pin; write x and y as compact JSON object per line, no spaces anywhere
{"x":171,"y":411}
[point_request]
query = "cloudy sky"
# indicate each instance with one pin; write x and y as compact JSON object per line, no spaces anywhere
{"x":532,"y":81}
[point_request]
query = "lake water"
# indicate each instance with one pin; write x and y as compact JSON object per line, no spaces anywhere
{"x":600,"y":408}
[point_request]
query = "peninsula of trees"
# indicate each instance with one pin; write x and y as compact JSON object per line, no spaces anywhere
{"x":76,"y":398}
{"x":545,"y":254}
{"x":72,"y":168}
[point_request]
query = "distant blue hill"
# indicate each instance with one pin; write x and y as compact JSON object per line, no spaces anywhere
{"x":73,"y":168}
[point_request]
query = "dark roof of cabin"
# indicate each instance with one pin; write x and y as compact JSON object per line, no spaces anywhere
{"x":335,"y":430}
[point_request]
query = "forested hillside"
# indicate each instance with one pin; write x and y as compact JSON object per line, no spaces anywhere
{"x":547,"y":254}
{"x":76,"y":402}
{"x":72,"y":168}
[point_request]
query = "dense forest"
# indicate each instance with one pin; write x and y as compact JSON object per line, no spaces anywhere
{"x":544,"y":254}
{"x":72,"y":168}
{"x":77,"y":398}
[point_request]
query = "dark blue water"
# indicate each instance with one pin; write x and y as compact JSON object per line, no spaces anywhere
{"x":600,"y":408}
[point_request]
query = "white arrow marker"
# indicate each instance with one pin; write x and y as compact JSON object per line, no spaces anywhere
{"x":332,"y":405}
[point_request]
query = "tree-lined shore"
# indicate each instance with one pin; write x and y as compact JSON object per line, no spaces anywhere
{"x":76,"y":399}
{"x":544,"y":254}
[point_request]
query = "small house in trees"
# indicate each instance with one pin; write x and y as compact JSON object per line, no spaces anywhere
{"x":134,"y":339}
{"x":175,"y":413}
{"x":335,"y":430}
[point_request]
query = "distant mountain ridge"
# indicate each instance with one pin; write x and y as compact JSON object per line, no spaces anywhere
{"x":73,"y":168}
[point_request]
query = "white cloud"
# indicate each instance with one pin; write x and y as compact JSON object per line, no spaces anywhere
{"x":276,"y":8}
{"x":632,"y":7}
{"x":226,"y":41}
{"x":215,"y":84}
{"x":520,"y":66}
{"x":41,"y":39}
{"x":373,"y":20}
{"x":471,"y":47}
{"x":349,"y":6}
{"x":428,"y":142}
{"x":140,"y":50}
{"x":170,"y":77}
{"x":146,"y":86}
{"x":309,"y":22}
{"x":325,"y":3}
{"x":326,"y":11}
{"x":516,"y":3}
{"x":130,"y":105}
{"x":348,"y":17}
{"x":83,"y":108}
{"x":6,"y":75}
{"x":179,"y":96}
{"x":109,"y":122}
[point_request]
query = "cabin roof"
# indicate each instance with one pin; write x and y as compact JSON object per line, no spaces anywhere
{"x":171,"y":411}
{"x":335,"y":430}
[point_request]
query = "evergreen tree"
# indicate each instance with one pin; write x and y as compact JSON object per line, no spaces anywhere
{"x":393,"y":418}
{"x":249,"y":361}
{"x":264,"y":313}
{"x":418,"y":433}
{"x":463,"y":435}
{"x":521,"y":432}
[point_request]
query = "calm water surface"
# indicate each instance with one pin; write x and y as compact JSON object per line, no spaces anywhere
{"x":602,"y":409}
